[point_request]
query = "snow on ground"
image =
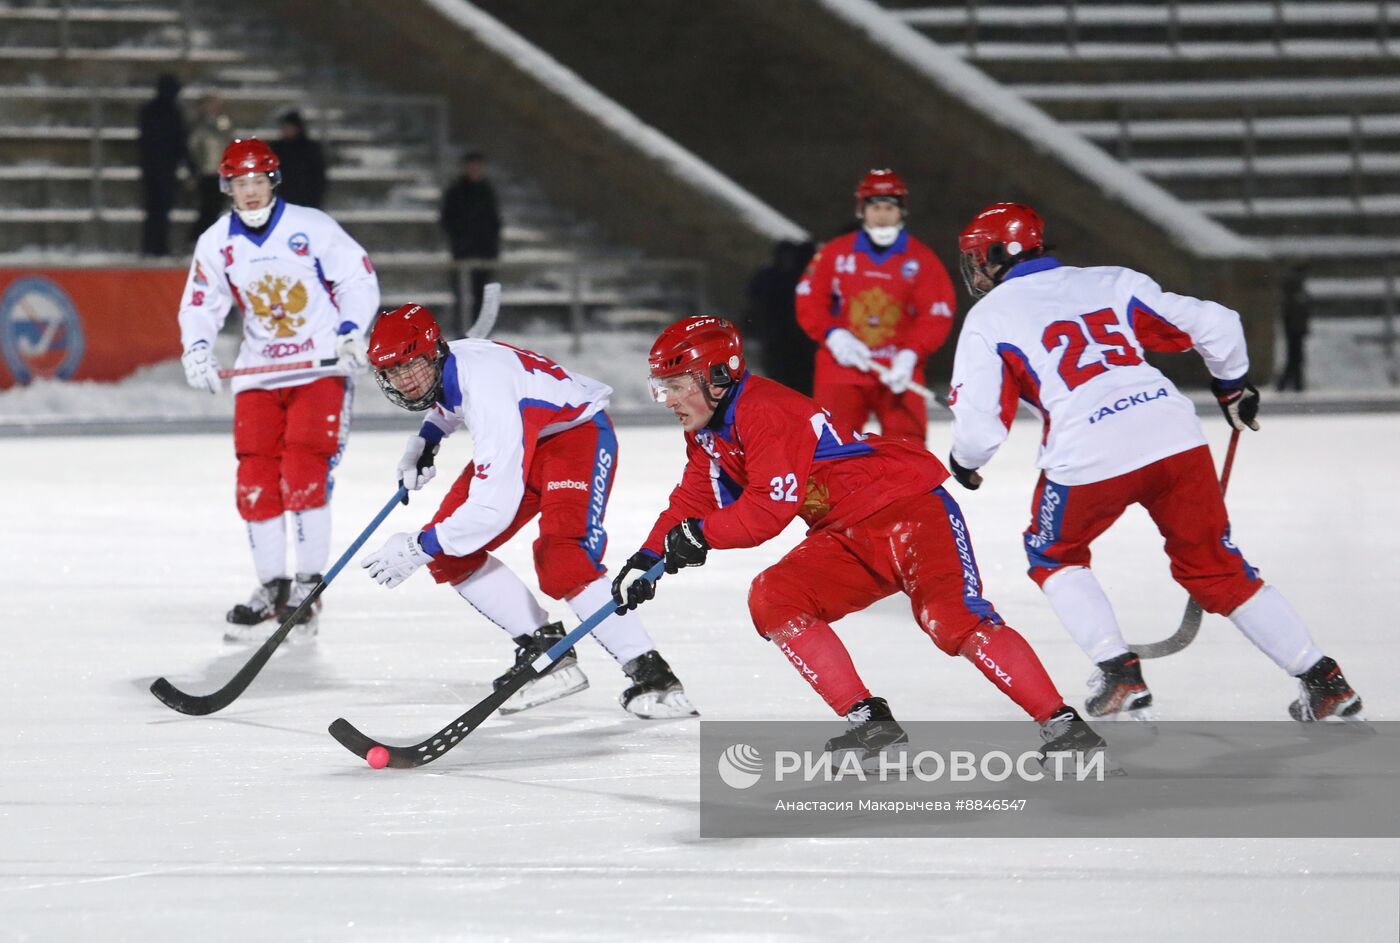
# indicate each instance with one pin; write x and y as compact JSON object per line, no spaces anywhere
{"x":122,"y":820}
{"x":1344,"y":355}
{"x":159,"y":392}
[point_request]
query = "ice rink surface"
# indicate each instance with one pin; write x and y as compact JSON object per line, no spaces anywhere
{"x":120,"y":819}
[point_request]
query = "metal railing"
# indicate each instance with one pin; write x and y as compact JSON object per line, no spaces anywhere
{"x":981,"y":13}
{"x":1250,"y":138}
{"x":408,"y":120}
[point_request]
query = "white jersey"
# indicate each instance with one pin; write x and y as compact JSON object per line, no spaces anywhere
{"x":299,"y":282}
{"x":1069,"y":341}
{"x":509,"y":399}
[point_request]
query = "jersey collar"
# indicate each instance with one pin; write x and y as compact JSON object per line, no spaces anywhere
{"x":1031,"y":266}
{"x":878,"y":255}
{"x":451,"y":386}
{"x":256,"y":236}
{"x":722,"y":422}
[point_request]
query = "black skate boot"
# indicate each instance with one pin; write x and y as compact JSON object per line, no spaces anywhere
{"x":657,"y":693}
{"x":872,"y":731}
{"x":561,"y":679}
{"x":264,"y":604}
{"x":1117,"y":690}
{"x":1067,"y":732}
{"x":308,"y":623}
{"x":1325,"y":695}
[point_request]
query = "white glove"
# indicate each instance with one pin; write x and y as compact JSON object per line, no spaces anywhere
{"x":395,"y":562}
{"x":201,"y":369}
{"x":848,"y":349}
{"x":901,"y":371}
{"x":351,"y":350}
{"x":416,"y":467}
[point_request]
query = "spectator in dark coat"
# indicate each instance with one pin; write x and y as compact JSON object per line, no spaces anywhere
{"x":787,"y":351}
{"x":1295,"y":327}
{"x":471,"y":218}
{"x":209,"y":136}
{"x":162,"y":147}
{"x":303,"y":164}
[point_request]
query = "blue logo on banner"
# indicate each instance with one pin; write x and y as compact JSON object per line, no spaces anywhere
{"x":40,"y":332}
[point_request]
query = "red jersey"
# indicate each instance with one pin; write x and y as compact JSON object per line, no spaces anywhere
{"x":771,"y":455}
{"x":898,"y":298}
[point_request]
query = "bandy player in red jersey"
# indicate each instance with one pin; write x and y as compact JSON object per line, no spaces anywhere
{"x":543,"y":446}
{"x":1070,"y":342}
{"x":879,"y":302}
{"x":760,"y":454}
{"x":307,"y":291}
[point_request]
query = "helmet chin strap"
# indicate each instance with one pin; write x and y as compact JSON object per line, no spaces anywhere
{"x":883,"y":236}
{"x":256,"y":219}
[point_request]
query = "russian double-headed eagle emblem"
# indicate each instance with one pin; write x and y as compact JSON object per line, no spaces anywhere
{"x":279,"y":305}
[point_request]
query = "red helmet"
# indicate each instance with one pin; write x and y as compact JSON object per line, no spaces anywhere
{"x":1001,"y":234}
{"x":709,"y":347}
{"x":248,"y":156}
{"x":398,"y":340}
{"x":880,"y":183}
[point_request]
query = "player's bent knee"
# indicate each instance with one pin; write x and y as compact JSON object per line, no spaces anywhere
{"x":779,"y":607}
{"x":1222,"y":597}
{"x":452,"y":570}
{"x":953,"y":638}
{"x":563,"y":566}
{"x":972,"y":639}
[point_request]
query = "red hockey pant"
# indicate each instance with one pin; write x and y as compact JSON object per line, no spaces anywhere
{"x":850,"y":404}
{"x":1180,"y":493}
{"x":288,"y":441}
{"x":919,"y":546}
{"x":567,"y":485}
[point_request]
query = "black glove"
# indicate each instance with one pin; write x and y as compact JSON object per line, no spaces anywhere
{"x":685,"y":545}
{"x":630,"y":591}
{"x":1239,"y":401}
{"x":967,"y":477}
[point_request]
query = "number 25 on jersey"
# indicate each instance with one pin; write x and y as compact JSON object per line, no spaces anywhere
{"x":1070,"y":332}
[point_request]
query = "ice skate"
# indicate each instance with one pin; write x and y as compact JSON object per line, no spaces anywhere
{"x":247,"y":620}
{"x":308,"y":624}
{"x":1067,"y":732}
{"x":657,"y":693}
{"x":873,"y":732}
{"x":1325,"y":695}
{"x":563,"y":678}
{"x":1117,"y":691}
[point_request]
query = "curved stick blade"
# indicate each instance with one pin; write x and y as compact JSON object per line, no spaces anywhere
{"x":175,"y":699}
{"x":1183,"y":636}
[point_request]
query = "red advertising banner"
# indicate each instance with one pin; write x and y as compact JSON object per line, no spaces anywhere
{"x":86,"y":324}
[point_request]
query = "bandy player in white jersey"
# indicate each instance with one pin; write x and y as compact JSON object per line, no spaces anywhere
{"x":542,"y":446}
{"x":307,"y":291}
{"x":1070,"y":342}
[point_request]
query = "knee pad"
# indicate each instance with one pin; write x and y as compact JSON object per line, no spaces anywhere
{"x":305,"y":478}
{"x":778,"y":608}
{"x":259,"y":492}
{"x":452,"y":570}
{"x":1223,"y":597}
{"x":563,"y":566}
{"x":962,"y":636}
